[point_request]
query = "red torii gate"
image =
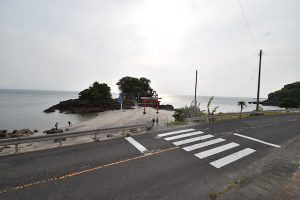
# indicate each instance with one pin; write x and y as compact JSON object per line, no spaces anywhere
{"x":150,"y":100}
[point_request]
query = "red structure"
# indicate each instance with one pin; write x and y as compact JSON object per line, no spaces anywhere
{"x":150,"y":101}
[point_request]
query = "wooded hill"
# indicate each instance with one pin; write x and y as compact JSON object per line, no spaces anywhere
{"x":287,"y":97}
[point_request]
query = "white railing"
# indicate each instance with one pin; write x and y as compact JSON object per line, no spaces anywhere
{"x":61,"y":136}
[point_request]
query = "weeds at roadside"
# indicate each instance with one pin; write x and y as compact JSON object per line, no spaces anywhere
{"x":231,"y":185}
{"x":176,"y":123}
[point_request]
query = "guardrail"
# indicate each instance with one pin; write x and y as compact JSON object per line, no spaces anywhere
{"x":61,"y":136}
{"x":217,"y":117}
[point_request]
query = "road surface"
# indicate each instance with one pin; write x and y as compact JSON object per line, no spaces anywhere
{"x":188,"y":163}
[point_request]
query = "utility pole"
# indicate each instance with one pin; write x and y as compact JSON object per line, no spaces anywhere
{"x":196,"y":88}
{"x":258,"y":86}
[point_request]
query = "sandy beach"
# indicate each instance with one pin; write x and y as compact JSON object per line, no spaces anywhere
{"x":106,"y":119}
{"x":126,"y":117}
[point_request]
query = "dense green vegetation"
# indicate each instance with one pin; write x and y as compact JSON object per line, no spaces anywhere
{"x":194,"y":111}
{"x":287,"y":97}
{"x":98,"y":98}
{"x":133,"y":87}
{"x":98,"y":91}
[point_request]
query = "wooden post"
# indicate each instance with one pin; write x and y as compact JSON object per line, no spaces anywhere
{"x":144,"y":106}
{"x":196,"y":88}
{"x":16,"y":148}
{"x":258,"y":85}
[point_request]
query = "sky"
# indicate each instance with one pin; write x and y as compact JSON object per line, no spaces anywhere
{"x":67,"y":45}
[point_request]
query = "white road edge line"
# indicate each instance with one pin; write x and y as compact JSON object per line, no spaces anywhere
{"x":137,"y":145}
{"x":263,"y":142}
{"x":175,"y":132}
{"x":231,"y":158}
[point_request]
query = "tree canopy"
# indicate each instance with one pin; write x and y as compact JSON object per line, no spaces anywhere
{"x":132,"y":87}
{"x":289,"y":96}
{"x":98,"y":91}
{"x":242,"y":104}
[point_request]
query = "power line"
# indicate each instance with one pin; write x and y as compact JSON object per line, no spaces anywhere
{"x":247,"y":24}
{"x":228,"y":66}
{"x":283,"y":52}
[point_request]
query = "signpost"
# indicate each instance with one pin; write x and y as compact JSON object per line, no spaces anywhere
{"x":120,"y":100}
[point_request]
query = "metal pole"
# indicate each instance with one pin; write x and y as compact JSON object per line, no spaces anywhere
{"x":144,"y":106}
{"x":157,"y":104}
{"x":16,"y":148}
{"x":196,"y":88}
{"x":258,"y":85}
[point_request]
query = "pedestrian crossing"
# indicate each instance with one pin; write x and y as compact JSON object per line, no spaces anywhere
{"x":206,"y":145}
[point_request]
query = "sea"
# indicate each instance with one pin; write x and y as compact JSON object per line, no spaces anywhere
{"x":21,"y":109}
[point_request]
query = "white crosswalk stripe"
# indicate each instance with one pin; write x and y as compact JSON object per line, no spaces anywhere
{"x":175,"y":132}
{"x":216,"y":150}
{"x":221,"y":162}
{"x":183,"y":135}
{"x":232,"y":157}
{"x":192,"y":140}
{"x":203,"y":144}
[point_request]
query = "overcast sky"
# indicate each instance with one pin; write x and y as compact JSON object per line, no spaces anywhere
{"x":69,"y":44}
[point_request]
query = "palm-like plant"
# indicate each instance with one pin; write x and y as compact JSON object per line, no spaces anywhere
{"x":208,"y":106}
{"x":242,"y":104}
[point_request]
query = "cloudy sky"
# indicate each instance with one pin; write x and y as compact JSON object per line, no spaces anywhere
{"x":69,"y":44}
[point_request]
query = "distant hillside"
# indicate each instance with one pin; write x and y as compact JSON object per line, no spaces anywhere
{"x":288,"y":96}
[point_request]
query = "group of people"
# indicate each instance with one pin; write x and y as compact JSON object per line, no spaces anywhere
{"x":153,"y":120}
{"x":56,"y":124}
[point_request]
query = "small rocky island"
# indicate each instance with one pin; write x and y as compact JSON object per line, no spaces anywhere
{"x":98,"y":98}
{"x":287,"y":97}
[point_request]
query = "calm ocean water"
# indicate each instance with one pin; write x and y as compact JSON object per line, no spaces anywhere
{"x":226,"y":104}
{"x":24,"y":109}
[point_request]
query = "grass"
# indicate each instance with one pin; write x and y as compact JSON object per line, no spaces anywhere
{"x":246,"y":115}
{"x":231,"y":185}
{"x":176,"y":122}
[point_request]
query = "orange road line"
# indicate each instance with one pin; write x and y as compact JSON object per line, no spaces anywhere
{"x":84,"y":171}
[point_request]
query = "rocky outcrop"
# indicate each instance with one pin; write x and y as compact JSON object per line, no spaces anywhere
{"x":3,"y":134}
{"x":83,"y":106}
{"x":20,"y":133}
{"x":166,"y":107}
{"x":49,"y":110}
{"x":53,"y":130}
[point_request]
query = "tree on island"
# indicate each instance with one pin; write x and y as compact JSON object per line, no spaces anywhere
{"x":132,"y":87}
{"x":98,"y":91}
{"x":97,"y":98}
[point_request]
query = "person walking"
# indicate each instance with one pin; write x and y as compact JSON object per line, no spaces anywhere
{"x":56,"y":125}
{"x":70,"y":123}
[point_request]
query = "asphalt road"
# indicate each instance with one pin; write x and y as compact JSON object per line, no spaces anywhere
{"x":116,"y":169}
